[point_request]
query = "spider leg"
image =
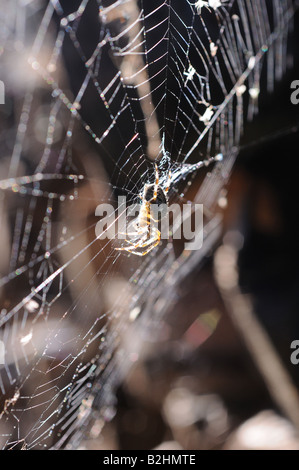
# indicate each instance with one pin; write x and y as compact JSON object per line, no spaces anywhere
{"x":133,"y":251}
{"x":131,"y":233}
{"x":156,"y":182}
{"x":150,"y":248}
{"x":168,"y":183}
{"x":156,"y":236}
{"x":148,"y":241}
{"x":142,"y":253}
{"x":134,"y":244}
{"x":151,"y":243}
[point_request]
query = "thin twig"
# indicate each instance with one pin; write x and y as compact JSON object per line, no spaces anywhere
{"x":239,"y":307}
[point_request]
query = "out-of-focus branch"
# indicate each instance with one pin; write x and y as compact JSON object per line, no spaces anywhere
{"x":135,"y":70}
{"x":239,"y":307}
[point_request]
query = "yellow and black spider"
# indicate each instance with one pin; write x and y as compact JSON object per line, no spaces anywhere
{"x":146,"y":235}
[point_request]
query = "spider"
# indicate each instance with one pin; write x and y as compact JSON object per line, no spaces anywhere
{"x":189,"y":73}
{"x":146,"y":235}
{"x":214,"y":4}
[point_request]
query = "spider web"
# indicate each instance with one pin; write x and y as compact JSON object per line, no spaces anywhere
{"x":96,"y":91}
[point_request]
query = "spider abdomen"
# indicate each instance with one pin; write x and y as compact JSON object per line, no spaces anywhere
{"x":157,"y":203}
{"x":149,"y":195}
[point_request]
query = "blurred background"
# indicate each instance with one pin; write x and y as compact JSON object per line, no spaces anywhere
{"x":208,"y":365}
